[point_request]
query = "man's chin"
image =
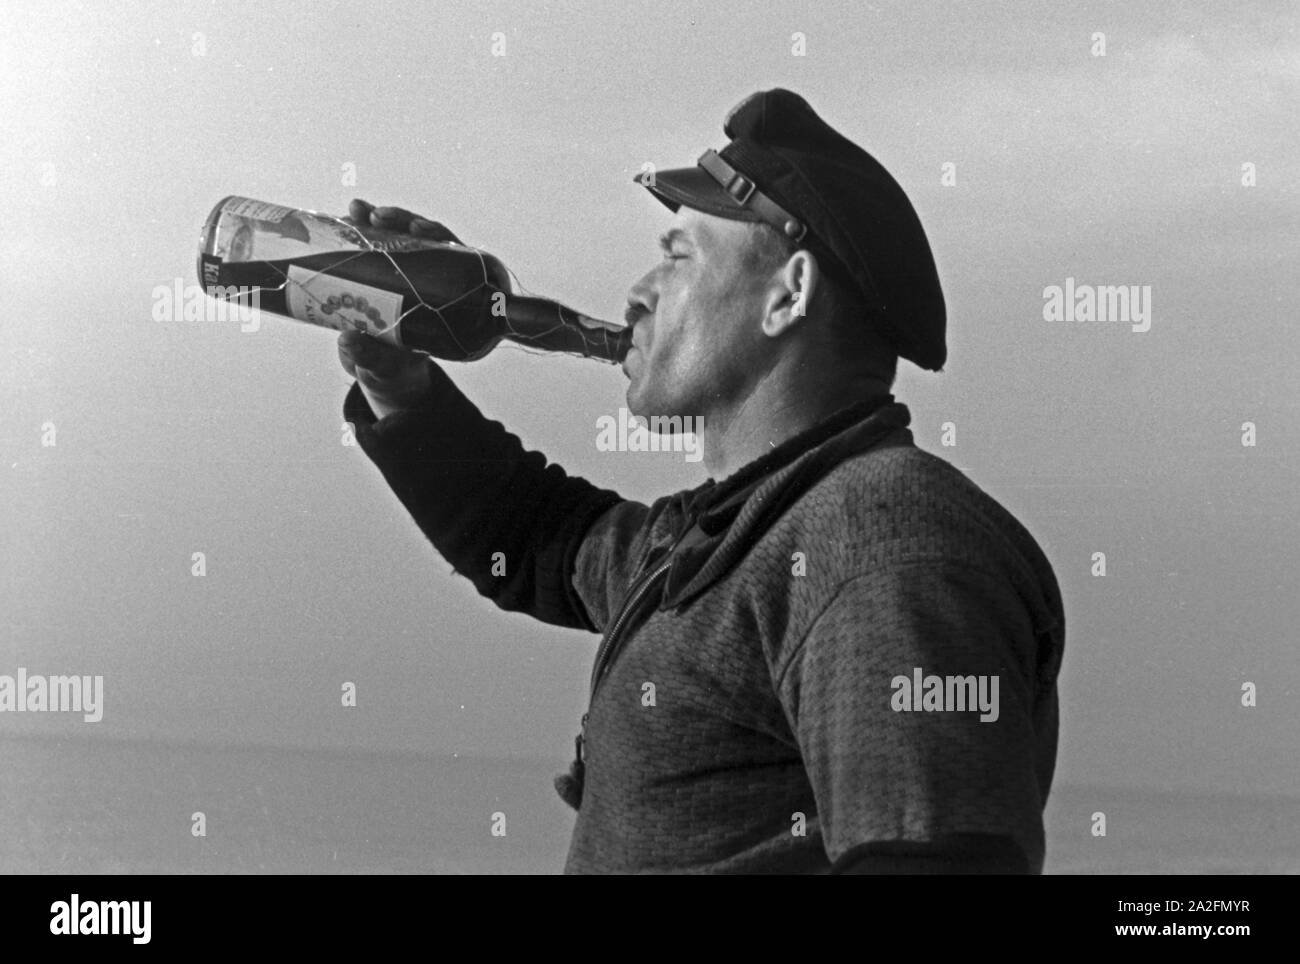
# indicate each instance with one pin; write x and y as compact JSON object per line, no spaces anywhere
{"x":643,"y":403}
{"x":635,"y":397}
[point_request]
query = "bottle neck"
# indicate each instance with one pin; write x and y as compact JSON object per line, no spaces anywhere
{"x":551,"y":326}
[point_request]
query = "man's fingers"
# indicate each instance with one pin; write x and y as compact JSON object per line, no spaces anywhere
{"x":359,"y":351}
{"x":359,"y":212}
{"x":345,"y":356}
{"x":391,"y":218}
{"x":363,"y":350}
{"x":433,"y":230}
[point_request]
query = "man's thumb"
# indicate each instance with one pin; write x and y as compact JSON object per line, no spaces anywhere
{"x":377,"y":357}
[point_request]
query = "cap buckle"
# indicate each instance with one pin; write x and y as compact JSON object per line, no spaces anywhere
{"x":746,"y":188}
{"x":746,"y":194}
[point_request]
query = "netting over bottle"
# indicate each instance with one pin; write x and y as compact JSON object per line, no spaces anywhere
{"x":294,"y":251}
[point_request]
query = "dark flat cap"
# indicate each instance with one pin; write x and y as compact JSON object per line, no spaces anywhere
{"x":787,"y":167}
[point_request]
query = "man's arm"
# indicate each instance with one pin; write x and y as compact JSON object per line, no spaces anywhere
{"x":502,"y":516}
{"x":905,"y":782}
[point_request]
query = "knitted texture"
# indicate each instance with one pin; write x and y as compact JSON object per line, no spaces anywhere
{"x":773,"y":693}
{"x":750,"y":722}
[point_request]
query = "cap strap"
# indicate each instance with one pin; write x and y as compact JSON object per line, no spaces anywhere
{"x":747,"y":194}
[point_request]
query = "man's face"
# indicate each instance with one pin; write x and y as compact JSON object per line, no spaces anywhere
{"x":697,"y":339}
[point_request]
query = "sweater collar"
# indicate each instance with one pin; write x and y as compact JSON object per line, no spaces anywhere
{"x":711,"y":499}
{"x":731,"y":515}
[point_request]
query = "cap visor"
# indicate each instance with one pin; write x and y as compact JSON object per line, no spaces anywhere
{"x":695,"y":188}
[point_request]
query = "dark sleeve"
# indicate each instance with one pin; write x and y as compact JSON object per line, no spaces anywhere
{"x":475,"y":492}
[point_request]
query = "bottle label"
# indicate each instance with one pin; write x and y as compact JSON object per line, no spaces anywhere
{"x":244,"y":207}
{"x":330,"y":302}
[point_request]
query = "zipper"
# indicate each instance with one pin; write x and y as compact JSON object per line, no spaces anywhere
{"x":638,"y":593}
{"x":604,"y":654}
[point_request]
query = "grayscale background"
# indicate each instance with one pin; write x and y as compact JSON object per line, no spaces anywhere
{"x":223,"y":692}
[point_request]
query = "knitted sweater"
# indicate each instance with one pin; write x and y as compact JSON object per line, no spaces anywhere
{"x":783,"y":693}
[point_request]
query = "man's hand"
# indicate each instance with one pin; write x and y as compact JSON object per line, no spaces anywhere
{"x":391,"y":378}
{"x":364,"y":214}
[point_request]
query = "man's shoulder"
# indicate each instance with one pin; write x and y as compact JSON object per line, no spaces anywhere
{"x":898,"y":502}
{"x":897,"y":481}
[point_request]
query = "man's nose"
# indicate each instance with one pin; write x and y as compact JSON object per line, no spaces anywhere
{"x":641,"y":299}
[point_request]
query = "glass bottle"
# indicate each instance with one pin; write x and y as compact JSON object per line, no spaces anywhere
{"x":448,"y":300}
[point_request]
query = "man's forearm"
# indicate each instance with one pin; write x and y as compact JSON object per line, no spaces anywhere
{"x":502,"y":516}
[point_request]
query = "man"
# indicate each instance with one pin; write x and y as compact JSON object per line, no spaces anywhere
{"x":781,"y":614}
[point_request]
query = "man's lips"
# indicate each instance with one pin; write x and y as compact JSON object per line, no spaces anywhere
{"x":627,"y":359}
{"x":635,"y":322}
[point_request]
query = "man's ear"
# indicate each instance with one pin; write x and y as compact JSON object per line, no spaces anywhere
{"x":790,"y":294}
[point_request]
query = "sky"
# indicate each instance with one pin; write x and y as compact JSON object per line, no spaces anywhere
{"x":122,"y":126}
